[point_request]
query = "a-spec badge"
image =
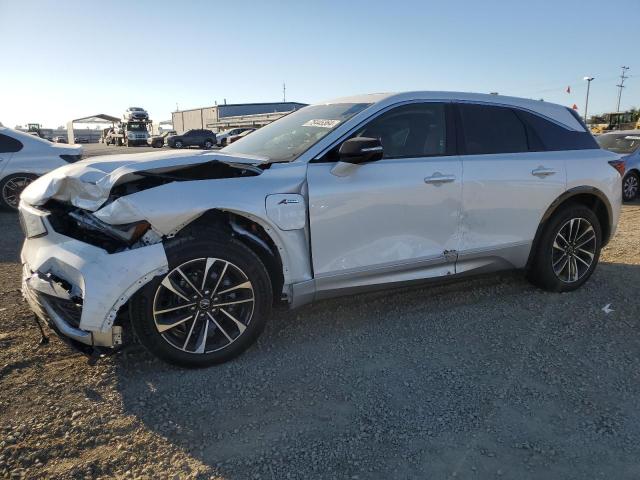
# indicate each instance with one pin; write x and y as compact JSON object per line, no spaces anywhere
{"x":287,"y":210}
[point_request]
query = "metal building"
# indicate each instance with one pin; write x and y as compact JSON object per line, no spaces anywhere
{"x":213,"y":117}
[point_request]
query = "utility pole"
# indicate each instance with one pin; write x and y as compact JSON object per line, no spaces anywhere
{"x":620,"y":86}
{"x":284,"y":92}
{"x":586,"y":102}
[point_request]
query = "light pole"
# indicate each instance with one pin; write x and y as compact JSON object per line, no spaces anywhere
{"x":586,"y":102}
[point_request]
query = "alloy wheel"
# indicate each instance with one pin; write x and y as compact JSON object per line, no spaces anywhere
{"x":203,"y":305}
{"x":573,"y":250}
{"x":630,"y":187}
{"x":12,"y":189}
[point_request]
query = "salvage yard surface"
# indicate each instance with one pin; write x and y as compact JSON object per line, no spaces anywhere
{"x":483,"y":378}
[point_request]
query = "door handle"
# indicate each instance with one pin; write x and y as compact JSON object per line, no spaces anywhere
{"x":543,"y":172}
{"x":438,"y":179}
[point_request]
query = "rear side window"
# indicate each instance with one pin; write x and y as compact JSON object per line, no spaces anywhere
{"x":554,"y":137}
{"x":9,"y":145}
{"x":490,"y":129}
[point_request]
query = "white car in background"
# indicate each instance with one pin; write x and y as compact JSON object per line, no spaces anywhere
{"x":25,"y":157}
{"x":222,"y":138}
{"x":135,"y":113}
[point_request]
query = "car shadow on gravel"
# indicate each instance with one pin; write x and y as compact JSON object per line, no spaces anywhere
{"x":11,"y":237}
{"x":482,"y":377}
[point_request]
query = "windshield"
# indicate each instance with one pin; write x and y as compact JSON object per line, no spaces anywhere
{"x":285,"y":139}
{"x":139,"y":127}
{"x":620,"y":143}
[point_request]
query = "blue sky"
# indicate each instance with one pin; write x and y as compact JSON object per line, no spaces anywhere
{"x":63,"y":60}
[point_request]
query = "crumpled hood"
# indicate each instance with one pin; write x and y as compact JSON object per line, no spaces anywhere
{"x":86,"y":184}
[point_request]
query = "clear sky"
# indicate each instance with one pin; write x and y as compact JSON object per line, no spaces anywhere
{"x":63,"y":60}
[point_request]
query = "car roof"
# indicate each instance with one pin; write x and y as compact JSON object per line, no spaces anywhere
{"x":555,"y":112}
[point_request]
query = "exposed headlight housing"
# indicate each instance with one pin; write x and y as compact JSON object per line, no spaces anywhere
{"x":127,"y":234}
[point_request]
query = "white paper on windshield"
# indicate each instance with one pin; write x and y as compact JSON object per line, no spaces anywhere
{"x":318,"y":122}
{"x":631,"y":137}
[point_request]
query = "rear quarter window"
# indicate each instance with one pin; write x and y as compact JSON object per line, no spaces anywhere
{"x":549,"y":136}
{"x":9,"y":144}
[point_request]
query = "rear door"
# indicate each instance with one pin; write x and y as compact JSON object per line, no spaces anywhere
{"x":508,"y":184}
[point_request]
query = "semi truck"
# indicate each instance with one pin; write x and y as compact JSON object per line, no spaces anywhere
{"x":127,"y":133}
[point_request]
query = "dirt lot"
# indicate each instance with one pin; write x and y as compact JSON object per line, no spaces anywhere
{"x":485,"y":378}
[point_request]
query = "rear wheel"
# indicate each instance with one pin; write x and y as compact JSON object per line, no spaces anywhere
{"x":210,"y":307}
{"x":630,"y":186}
{"x":568,"y":250}
{"x":11,"y":187}
{"x":208,"y":144}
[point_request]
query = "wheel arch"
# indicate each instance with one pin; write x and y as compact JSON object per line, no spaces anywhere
{"x":253,"y":233}
{"x":590,"y":197}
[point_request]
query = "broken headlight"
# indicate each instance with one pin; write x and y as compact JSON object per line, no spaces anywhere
{"x":127,"y":234}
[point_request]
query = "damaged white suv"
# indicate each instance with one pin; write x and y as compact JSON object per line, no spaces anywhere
{"x":190,"y":250}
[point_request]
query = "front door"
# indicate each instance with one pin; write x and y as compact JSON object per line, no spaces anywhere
{"x":390,"y":220}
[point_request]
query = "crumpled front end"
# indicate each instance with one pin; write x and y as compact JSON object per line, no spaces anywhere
{"x":76,"y":287}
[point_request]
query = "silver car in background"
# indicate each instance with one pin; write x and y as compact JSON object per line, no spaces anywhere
{"x":626,"y":143}
{"x":191,"y":249}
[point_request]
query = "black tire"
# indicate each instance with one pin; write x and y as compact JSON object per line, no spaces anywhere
{"x":11,"y":187}
{"x":178,"y":144}
{"x":157,"y":144}
{"x":223,"y":143}
{"x":541,"y":271}
{"x":180,"y":253}
{"x":630,"y":186}
{"x":207,"y":144}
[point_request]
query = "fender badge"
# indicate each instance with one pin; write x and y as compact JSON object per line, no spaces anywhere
{"x":287,"y":201}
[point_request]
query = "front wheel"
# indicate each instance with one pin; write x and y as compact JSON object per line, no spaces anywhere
{"x":178,"y":144}
{"x":630,"y":186}
{"x":211,"y":306}
{"x":208,"y":144}
{"x":568,"y":250}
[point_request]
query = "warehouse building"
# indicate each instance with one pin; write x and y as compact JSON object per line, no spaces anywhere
{"x":214,"y":117}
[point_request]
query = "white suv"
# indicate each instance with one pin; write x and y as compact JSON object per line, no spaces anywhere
{"x":191,"y":249}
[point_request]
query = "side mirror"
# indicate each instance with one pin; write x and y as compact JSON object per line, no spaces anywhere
{"x":360,"y":150}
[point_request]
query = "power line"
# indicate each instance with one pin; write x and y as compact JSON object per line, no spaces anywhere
{"x":620,"y":86}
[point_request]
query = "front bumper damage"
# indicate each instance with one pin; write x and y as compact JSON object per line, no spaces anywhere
{"x":77,"y":288}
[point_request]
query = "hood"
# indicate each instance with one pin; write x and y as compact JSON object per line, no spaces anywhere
{"x":86,"y":184}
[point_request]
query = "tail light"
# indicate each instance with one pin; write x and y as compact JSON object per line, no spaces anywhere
{"x":619,"y":165}
{"x":71,"y":158}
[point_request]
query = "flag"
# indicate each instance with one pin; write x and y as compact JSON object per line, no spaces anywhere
{"x":569,"y":89}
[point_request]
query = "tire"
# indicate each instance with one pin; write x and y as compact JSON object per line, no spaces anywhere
{"x":552,"y":253}
{"x":158,"y":145}
{"x":179,"y":340}
{"x":11,"y":187}
{"x":208,"y":144}
{"x":223,"y":143}
{"x":178,"y":144}
{"x":630,"y":186}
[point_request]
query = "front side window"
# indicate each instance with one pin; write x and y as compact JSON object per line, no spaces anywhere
{"x":490,"y":129}
{"x":414,"y":130}
{"x":9,"y":145}
{"x":287,"y":138}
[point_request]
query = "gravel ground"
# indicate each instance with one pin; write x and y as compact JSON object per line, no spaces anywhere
{"x":483,"y":378}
